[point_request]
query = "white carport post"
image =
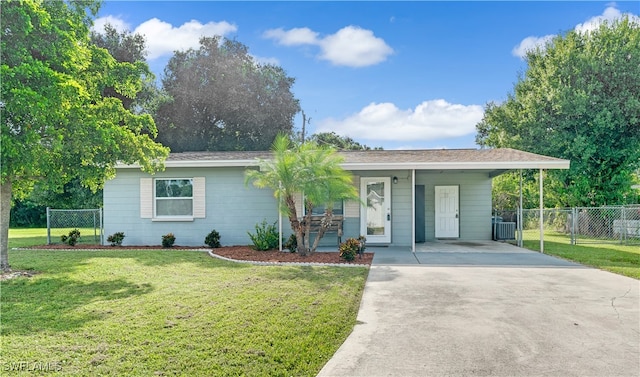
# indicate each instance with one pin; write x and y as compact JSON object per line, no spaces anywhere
{"x":413,"y":210}
{"x":541,"y":215}
{"x":520,"y":215}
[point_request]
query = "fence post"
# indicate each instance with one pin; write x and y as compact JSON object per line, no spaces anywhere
{"x":48,"y":226}
{"x":572,"y":230}
{"x":101,"y":229}
{"x":623,"y":225}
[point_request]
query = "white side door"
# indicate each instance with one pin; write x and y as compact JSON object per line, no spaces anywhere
{"x":447,"y":212}
{"x":375,"y":217}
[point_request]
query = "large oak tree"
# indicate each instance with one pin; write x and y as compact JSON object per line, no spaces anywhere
{"x":221,"y":99}
{"x":56,"y":124}
{"x":579,"y":100}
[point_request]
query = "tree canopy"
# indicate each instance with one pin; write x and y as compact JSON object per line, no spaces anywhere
{"x":221,"y":99}
{"x":126,"y":47}
{"x":578,"y":100}
{"x":343,"y":143}
{"x":56,"y":124}
{"x":309,"y":169}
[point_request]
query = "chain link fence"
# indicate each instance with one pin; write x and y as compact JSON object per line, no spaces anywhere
{"x":61,"y":222}
{"x":580,"y":225}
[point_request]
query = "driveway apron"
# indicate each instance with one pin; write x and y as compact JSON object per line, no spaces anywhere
{"x":491,"y":310}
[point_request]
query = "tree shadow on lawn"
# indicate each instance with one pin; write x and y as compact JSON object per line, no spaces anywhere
{"x":33,"y":305}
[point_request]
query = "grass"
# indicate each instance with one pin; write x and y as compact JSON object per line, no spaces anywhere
{"x":171,"y":312}
{"x":25,"y":237}
{"x":616,"y":258}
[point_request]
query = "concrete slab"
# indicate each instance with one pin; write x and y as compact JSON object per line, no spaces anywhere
{"x":505,"y":320}
{"x":466,"y":253}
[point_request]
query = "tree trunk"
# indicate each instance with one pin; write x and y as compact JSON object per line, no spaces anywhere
{"x":306,"y":225}
{"x":296,"y":226}
{"x":325,"y":224}
{"x":5,"y":215}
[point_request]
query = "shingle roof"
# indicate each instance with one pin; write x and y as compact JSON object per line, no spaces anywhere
{"x":501,"y":158}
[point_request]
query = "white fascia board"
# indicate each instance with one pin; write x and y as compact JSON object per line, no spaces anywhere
{"x":198,"y":164}
{"x":560,"y":164}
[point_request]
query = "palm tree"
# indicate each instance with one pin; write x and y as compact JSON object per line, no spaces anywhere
{"x":310,"y":169}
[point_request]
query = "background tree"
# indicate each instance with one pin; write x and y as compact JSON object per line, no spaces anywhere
{"x":343,"y":143}
{"x":126,"y":47}
{"x":56,"y":125}
{"x":578,"y":100}
{"x":222,"y":100}
{"x":305,"y":168}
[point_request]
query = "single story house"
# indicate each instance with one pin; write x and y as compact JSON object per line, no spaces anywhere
{"x":407,"y":196}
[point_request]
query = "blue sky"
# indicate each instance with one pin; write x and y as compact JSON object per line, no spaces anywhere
{"x":401,"y":75}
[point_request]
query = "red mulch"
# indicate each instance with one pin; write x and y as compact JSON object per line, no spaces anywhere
{"x":245,"y":253}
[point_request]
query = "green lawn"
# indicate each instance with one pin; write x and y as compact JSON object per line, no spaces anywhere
{"x":25,"y":237}
{"x":171,"y":312}
{"x":613,"y":257}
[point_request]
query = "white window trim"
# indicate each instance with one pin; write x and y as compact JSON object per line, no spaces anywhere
{"x":157,"y":217}
{"x":148,"y":200}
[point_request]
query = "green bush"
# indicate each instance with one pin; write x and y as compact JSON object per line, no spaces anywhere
{"x":349,"y":249}
{"x":116,"y":239}
{"x":72,"y":238}
{"x":212,"y":239}
{"x":291,"y":244}
{"x":266,"y":236}
{"x":168,"y":240}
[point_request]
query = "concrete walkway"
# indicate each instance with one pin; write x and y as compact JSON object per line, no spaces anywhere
{"x":490,"y":310}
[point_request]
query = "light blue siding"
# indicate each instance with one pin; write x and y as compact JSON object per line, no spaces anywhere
{"x":475,"y":202}
{"x":232,"y":208}
{"x":401,"y":211}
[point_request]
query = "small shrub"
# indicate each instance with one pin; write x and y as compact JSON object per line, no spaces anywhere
{"x":291,"y":244}
{"x":116,"y":239}
{"x":72,"y":238}
{"x":168,"y":240}
{"x":349,"y":249}
{"x":266,"y":236}
{"x":212,"y":239}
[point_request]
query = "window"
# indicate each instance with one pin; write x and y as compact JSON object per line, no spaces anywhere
{"x":173,"y":197}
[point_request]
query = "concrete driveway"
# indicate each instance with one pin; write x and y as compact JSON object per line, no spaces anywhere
{"x":464,"y":315}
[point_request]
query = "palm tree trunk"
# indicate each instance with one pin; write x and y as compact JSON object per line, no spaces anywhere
{"x":296,"y":226}
{"x":324,"y":225}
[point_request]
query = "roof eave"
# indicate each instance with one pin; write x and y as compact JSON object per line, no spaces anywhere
{"x":492,"y":165}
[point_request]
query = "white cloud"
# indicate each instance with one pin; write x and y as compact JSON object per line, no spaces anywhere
{"x":430,"y":120}
{"x":293,"y":37}
{"x":350,"y":46}
{"x":530,"y":44}
{"x":354,"y":47}
{"x":162,"y":38}
{"x":609,"y":15}
{"x":119,"y":24}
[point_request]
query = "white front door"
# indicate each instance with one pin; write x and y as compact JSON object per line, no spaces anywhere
{"x":375,"y":218}
{"x":447,"y":213}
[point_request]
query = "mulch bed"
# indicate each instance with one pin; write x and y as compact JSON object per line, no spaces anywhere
{"x":244,"y":253}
